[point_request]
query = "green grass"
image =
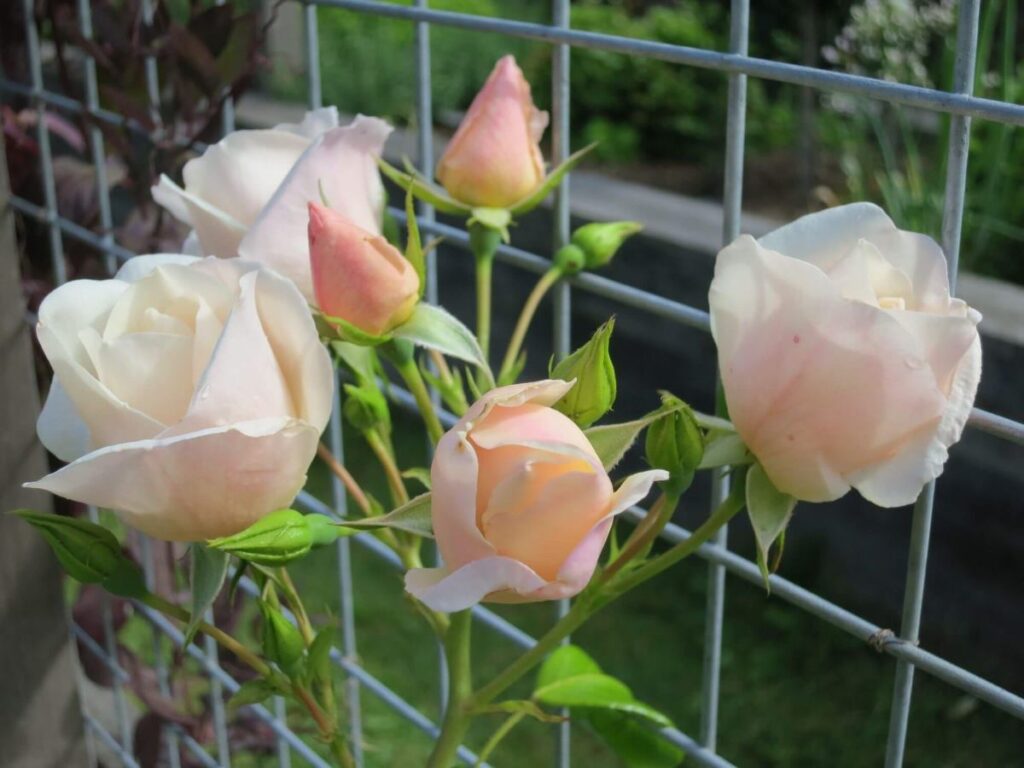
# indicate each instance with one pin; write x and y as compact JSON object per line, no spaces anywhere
{"x":795,"y":691}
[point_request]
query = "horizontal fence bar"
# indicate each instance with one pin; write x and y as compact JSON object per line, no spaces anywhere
{"x":159,"y":621}
{"x":765,"y":69}
{"x":994,"y":424}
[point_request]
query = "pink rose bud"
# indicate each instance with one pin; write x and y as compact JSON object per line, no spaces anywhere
{"x":521,"y":504}
{"x":359,"y":276}
{"x":494,"y":159}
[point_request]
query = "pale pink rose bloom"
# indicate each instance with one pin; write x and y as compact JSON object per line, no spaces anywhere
{"x":359,"y":276}
{"x":494,"y":158}
{"x":844,"y":359}
{"x":246,"y":195}
{"x":188,"y":394}
{"x":521,"y":505}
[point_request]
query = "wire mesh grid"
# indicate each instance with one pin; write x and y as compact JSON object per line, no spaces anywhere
{"x":737,"y":66}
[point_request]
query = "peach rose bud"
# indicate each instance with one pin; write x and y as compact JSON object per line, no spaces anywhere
{"x":521,"y":504}
{"x":359,"y":276}
{"x":494,"y":159}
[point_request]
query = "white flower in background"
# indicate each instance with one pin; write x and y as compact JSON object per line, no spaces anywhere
{"x":189,"y":394}
{"x":247,"y":194}
{"x":845,"y":361}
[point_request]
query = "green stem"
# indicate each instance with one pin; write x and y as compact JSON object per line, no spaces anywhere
{"x":410,"y":373}
{"x":592,"y":601}
{"x":483,"y":241}
{"x":226,"y":641}
{"x":460,"y":689}
{"x":500,"y":733}
{"x":483,"y":303}
{"x":395,"y":484}
{"x":543,"y":285}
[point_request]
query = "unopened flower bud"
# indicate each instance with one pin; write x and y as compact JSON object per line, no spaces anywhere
{"x":279,"y":538}
{"x":600,"y":241}
{"x":282,"y":641}
{"x":591,"y":367}
{"x":675,"y":444}
{"x":365,"y":407}
{"x":87,"y":551}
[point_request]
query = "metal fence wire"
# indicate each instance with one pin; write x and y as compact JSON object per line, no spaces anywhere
{"x":736,"y":66}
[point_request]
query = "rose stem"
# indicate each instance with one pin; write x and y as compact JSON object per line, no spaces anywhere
{"x":543,"y":285}
{"x":346,"y":478}
{"x":398,"y":493}
{"x":410,"y":373}
{"x":460,"y":689}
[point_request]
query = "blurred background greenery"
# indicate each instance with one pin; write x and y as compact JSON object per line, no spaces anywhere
{"x":663,"y":124}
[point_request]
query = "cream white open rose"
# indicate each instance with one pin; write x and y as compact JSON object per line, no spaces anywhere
{"x":521,"y":505}
{"x":845,"y":361}
{"x":188,"y":394}
{"x":247,"y":194}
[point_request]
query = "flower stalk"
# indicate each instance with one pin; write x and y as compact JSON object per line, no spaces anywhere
{"x":460,"y":689}
{"x":544,"y":284}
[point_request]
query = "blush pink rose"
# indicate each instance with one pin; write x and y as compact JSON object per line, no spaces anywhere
{"x":844,"y":359}
{"x":358,"y":276}
{"x":188,"y":394}
{"x":521,"y":505}
{"x":494,"y":158}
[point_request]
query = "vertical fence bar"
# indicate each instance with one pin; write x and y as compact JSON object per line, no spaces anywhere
{"x":425,"y":159}
{"x":920,"y":533}
{"x":562,"y":297}
{"x":336,"y":445}
{"x":284,"y":752}
{"x":732,"y":204}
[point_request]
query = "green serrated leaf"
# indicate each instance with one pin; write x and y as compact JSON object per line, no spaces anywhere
{"x":770,"y":511}
{"x":207,"y":571}
{"x":423,"y":189}
{"x":593,"y":689}
{"x":566,"y":661}
{"x":432,"y":327}
{"x":636,"y":743}
{"x":253,"y":691}
{"x":413,"y":517}
{"x":553,"y":180}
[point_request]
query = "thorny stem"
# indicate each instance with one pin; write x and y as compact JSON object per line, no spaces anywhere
{"x":460,"y":689}
{"x":414,"y":380}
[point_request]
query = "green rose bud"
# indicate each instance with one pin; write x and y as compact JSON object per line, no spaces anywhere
{"x":88,"y":552}
{"x":570,"y":259}
{"x":279,"y":538}
{"x":591,"y":366}
{"x":365,"y":408}
{"x":282,"y":641}
{"x":599,"y":241}
{"x":675,"y":443}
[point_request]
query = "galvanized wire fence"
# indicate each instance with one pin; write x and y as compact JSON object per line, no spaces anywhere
{"x":736,"y":66}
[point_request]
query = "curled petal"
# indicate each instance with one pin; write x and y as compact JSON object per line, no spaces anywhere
{"x":194,"y":486}
{"x":464,"y":587}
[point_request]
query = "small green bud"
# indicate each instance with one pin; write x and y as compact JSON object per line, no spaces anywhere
{"x":87,"y":551}
{"x":366,"y":408}
{"x":282,"y":641}
{"x":570,"y":259}
{"x":278,"y":538}
{"x":599,"y":241}
{"x":595,"y":390}
{"x":675,"y":443}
